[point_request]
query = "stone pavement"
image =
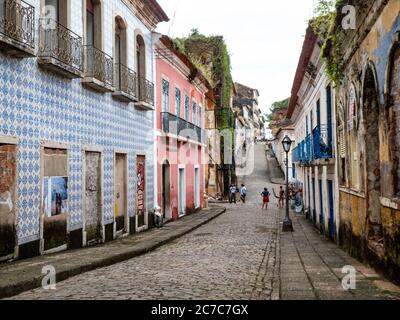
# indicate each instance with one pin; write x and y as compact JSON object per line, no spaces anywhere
{"x":232,"y":257}
{"x":19,"y":276}
{"x":240,"y":255}
{"x":311,"y":268}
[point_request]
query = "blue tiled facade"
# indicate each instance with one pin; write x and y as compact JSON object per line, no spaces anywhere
{"x":36,"y":105}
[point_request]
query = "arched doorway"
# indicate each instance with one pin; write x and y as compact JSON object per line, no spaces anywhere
{"x":372,"y":148}
{"x":166,"y":190}
{"x":394,"y":121}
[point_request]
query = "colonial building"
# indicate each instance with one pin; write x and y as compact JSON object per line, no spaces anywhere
{"x":311,"y":110}
{"x":181,"y":143}
{"x":280,"y":153}
{"x":212,"y":183}
{"x":212,"y":57}
{"x":76,"y":111}
{"x":368,"y":108}
{"x":247,"y":123}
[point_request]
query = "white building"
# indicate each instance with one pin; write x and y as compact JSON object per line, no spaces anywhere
{"x":280,"y":152}
{"x":311,"y":110}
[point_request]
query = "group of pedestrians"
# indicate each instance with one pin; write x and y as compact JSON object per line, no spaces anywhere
{"x":266,"y":195}
{"x":233,"y":190}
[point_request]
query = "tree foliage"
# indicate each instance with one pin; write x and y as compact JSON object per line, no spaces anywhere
{"x":210,"y":55}
{"x":276,"y":107}
{"x":323,"y":25}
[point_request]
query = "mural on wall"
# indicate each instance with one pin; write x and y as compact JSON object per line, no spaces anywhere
{"x":55,"y":195}
{"x":141,"y":189}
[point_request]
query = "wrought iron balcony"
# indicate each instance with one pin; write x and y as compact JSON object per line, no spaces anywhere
{"x":99,"y":70}
{"x":303,"y":153}
{"x":126,"y":84}
{"x":60,"y":49}
{"x":180,"y":127}
{"x":296,"y":157}
{"x":17,"y":28}
{"x":146,"y":94}
{"x":322,"y":146}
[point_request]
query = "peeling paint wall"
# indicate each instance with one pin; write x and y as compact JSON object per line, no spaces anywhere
{"x":8,"y":174}
{"x":369,"y":215}
{"x":93,"y":214}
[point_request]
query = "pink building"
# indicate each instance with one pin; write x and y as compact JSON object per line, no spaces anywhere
{"x":181,"y":145}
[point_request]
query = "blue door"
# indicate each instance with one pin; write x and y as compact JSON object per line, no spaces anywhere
{"x":331,"y":212}
{"x":314,"y":201}
{"x":321,"y":214}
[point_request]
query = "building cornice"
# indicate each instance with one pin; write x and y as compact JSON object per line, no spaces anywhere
{"x":148,"y":11}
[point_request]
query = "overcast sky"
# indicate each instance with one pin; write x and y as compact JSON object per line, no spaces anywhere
{"x":264,"y":37}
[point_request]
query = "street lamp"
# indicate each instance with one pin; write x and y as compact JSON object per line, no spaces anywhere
{"x":287,"y":223}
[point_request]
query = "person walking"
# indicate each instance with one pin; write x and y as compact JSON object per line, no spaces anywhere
{"x":265,"y":194}
{"x":232,"y":193}
{"x":281,"y":197}
{"x":243,"y":193}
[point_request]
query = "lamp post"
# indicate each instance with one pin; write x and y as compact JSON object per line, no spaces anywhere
{"x":287,"y":223}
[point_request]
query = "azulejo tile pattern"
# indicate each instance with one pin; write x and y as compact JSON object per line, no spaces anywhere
{"x":38,"y":105}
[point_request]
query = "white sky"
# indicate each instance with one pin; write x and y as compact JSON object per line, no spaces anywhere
{"x":264,"y":37}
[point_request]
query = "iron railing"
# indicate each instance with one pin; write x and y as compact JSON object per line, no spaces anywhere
{"x":314,"y":147}
{"x":180,"y":127}
{"x":296,"y":157}
{"x":17,"y":21}
{"x":60,"y":43}
{"x":146,"y":91}
{"x":308,"y":154}
{"x":98,"y":65}
{"x":125,"y":80}
{"x":322,"y":147}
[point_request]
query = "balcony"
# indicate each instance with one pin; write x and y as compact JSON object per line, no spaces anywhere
{"x":17,"y":28}
{"x":146,"y":94}
{"x":125,"y":84}
{"x":296,"y":157}
{"x":182,"y":128}
{"x":99,"y":70}
{"x":322,"y":146}
{"x":60,"y":49}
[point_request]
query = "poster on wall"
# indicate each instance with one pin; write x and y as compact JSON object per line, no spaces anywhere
{"x":55,"y":196}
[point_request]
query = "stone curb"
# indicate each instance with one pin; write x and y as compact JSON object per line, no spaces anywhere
{"x":276,"y":285}
{"x":36,"y":281}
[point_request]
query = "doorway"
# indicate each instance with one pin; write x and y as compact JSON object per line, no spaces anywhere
{"x":181,"y":192}
{"x":332,"y":228}
{"x":120,"y":210}
{"x":141,"y":191}
{"x":196,"y":188}
{"x":314,"y":202}
{"x":166,"y":190}
{"x":372,"y":146}
{"x":93,"y":190}
{"x":8,"y":189}
{"x":321,"y":208}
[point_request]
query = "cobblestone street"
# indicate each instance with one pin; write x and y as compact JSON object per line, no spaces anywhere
{"x":235,"y":256}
